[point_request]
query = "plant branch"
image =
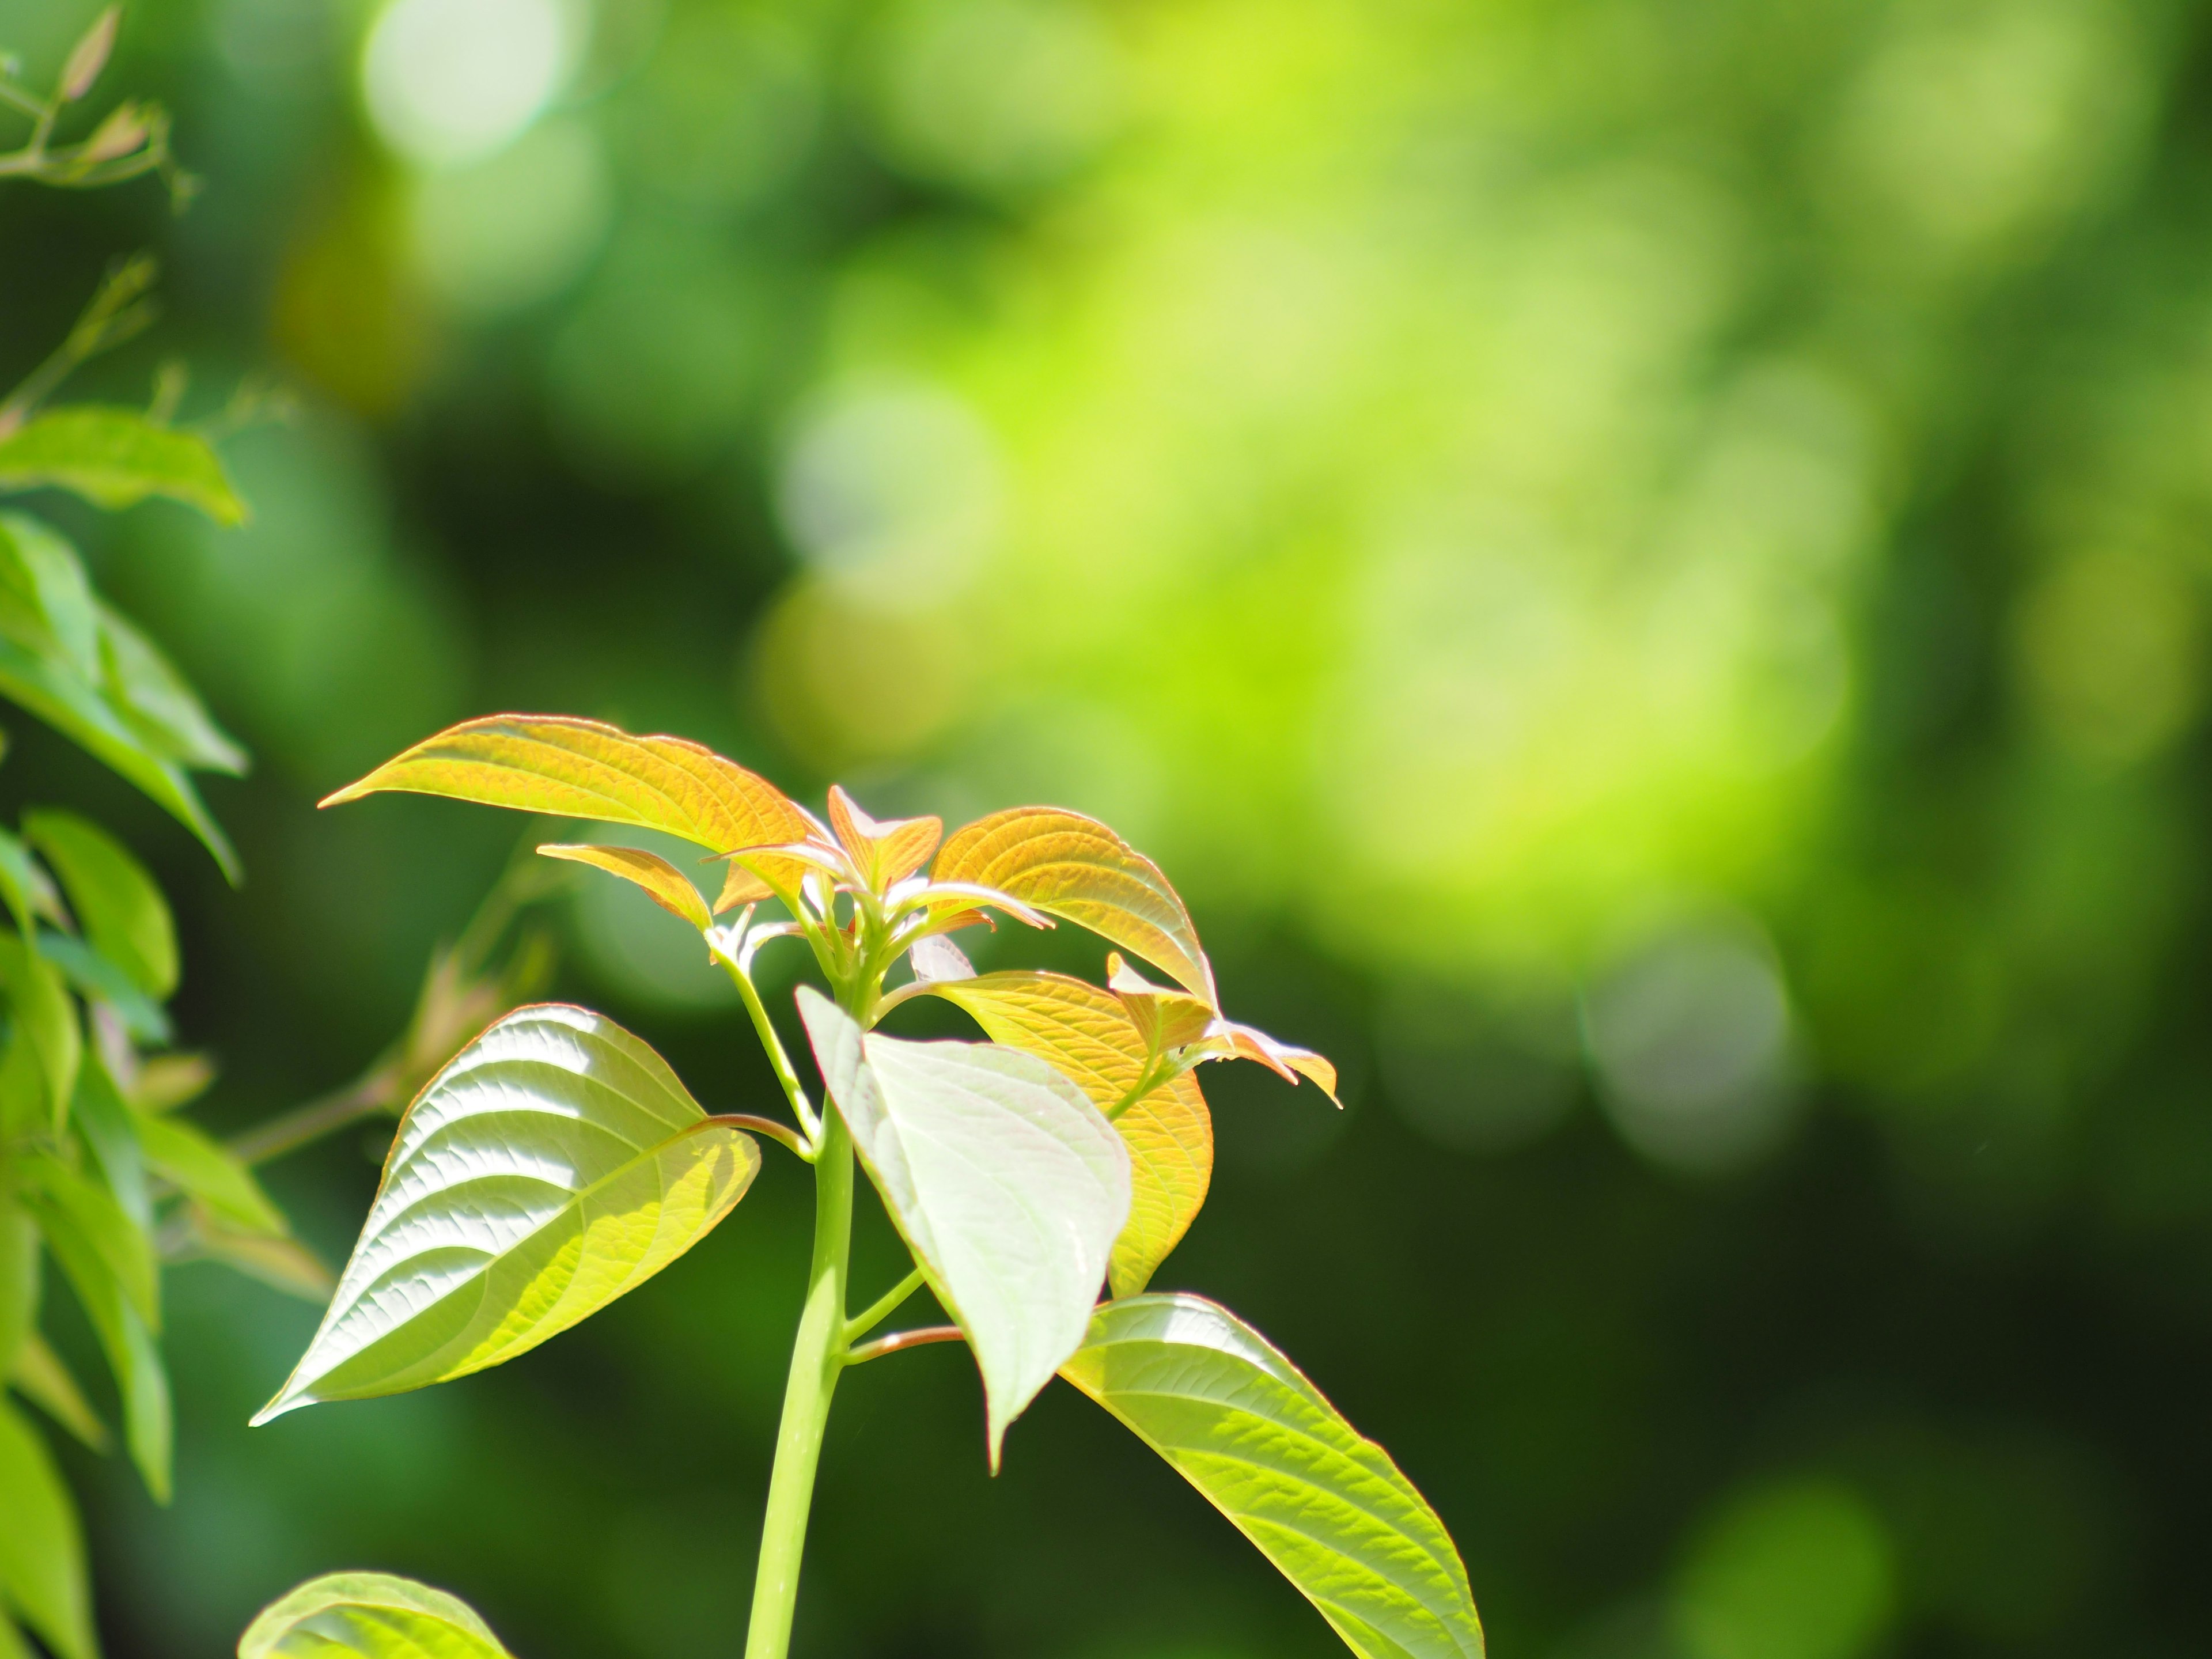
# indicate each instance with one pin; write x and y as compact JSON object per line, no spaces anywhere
{"x":777,"y":1061}
{"x":883,"y":1307}
{"x":782,"y":1133}
{"x":378,"y":1091}
{"x":898,"y":1341}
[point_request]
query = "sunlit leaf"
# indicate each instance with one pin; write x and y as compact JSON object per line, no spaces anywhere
{"x":1329,"y":1508}
{"x":157,"y":703}
{"x":1077,"y":868}
{"x":42,"y":1569}
{"x":667,"y":886}
{"x":554,"y":1163}
{"x":196,"y":1164}
{"x":42,"y":1379}
{"x":886,"y":852}
{"x":1005,"y":1180}
{"x":1087,"y":1035}
{"x":128,"y":1341}
{"x":117,"y":904}
{"x":579,"y":769}
{"x":368,"y":1615}
{"x":116,"y":457}
{"x":1286,"y":1060}
{"x":936,"y":958}
{"x":1165,"y":1018}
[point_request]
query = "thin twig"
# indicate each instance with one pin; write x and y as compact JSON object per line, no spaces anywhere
{"x":377,"y":1090}
{"x":898,"y":1339}
{"x":767,"y":1126}
{"x":779,"y":1061}
{"x":883,"y":1307}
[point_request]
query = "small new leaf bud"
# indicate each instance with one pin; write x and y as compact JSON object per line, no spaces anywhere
{"x":89,"y":55}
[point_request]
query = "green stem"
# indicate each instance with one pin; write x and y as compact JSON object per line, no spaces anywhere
{"x":817,"y":1357}
{"x":860,"y":1324}
{"x":779,"y":1061}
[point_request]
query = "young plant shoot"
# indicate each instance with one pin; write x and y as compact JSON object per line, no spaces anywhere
{"x":557,"y":1161}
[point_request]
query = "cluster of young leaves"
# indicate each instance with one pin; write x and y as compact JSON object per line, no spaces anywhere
{"x":557,"y":1161}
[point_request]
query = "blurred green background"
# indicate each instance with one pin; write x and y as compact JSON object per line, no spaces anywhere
{"x":1643,"y":564}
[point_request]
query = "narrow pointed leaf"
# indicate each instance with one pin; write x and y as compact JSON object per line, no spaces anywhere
{"x":74,"y":1209}
{"x":25,"y":889}
{"x":148,"y":1429}
{"x":157,"y":703}
{"x":579,"y":769}
{"x":43,"y":1581}
{"x":1077,"y":868}
{"x":1329,"y":1508}
{"x":42,"y":1379}
{"x":368,"y":1615}
{"x":19,"y":1277}
{"x":46,"y":1021}
{"x":89,"y":55}
{"x":281,"y":1264}
{"x":198,"y":1165}
{"x":667,"y":886}
{"x":554,"y":1163}
{"x":116,"y":457}
{"x":1087,"y":1035}
{"x":96,"y":979}
{"x":1007,"y":1183}
{"x":117,"y":903}
{"x":1286,"y":1059}
{"x":110,"y":1129}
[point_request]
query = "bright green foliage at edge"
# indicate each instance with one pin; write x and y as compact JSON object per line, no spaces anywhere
{"x":42,"y":1571}
{"x":117,"y":458}
{"x":1329,"y":1508}
{"x":368,"y":1615}
{"x":121,"y":911}
{"x":554,"y":1163}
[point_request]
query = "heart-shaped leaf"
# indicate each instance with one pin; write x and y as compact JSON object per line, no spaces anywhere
{"x":553,"y":1164}
{"x":1007,"y":1183}
{"x":1329,"y":1508}
{"x":577,"y":768}
{"x":1087,"y":1033}
{"x":667,"y":886}
{"x":42,"y":1571}
{"x":368,"y":1615}
{"x":1075,"y":867}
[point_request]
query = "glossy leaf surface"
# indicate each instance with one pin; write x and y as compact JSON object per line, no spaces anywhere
{"x":117,"y":903}
{"x":368,"y":1615}
{"x":554,"y":1163}
{"x":1327,"y":1507}
{"x":42,"y":1569}
{"x":1075,"y":867}
{"x":1087,"y":1035}
{"x":667,"y":886}
{"x":579,"y":769}
{"x":116,"y":457}
{"x":1006,"y":1181}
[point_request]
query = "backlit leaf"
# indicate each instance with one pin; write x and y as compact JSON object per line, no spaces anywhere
{"x":42,"y":1379}
{"x":667,"y":886}
{"x":1088,"y":1035}
{"x":579,"y":769}
{"x":553,"y":1164}
{"x":1077,"y":868}
{"x":117,"y":903}
{"x":198,"y":1166}
{"x":42,"y":1569}
{"x":1329,"y":1508}
{"x":1007,"y":1182}
{"x":115,"y":458}
{"x":368,"y":1615}
{"x":884,"y":851}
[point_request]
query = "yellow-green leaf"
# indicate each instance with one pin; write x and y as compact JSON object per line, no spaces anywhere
{"x":117,"y":904}
{"x":886,"y":852}
{"x":368,"y":1615}
{"x":19,"y":1276}
{"x":554,"y":1163}
{"x":45,"y":1019}
{"x":580,"y":769}
{"x":667,"y":886}
{"x":145,"y":688}
{"x":115,"y":458}
{"x":42,"y":1379}
{"x":1077,"y":868}
{"x":1087,"y":1035}
{"x":128,"y":1341}
{"x":1327,"y":1506}
{"x":43,"y":1580}
{"x":199,"y":1165}
{"x":73,"y":1209}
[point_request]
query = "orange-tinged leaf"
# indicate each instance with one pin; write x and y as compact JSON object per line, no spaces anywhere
{"x":741,"y":886}
{"x":1077,"y":868}
{"x":580,"y":769}
{"x":1165,"y":1018}
{"x":884,"y":851}
{"x":1086,"y":1034}
{"x":667,"y":886}
{"x":1286,"y":1059}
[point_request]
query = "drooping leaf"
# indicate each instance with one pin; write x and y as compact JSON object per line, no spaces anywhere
{"x":667,"y":886}
{"x":45,"y":1019}
{"x":128,"y":1341}
{"x":885,"y":852}
{"x":117,"y":904}
{"x":110,"y":1129}
{"x":579,"y":769}
{"x":1172,"y":1020}
{"x":43,"y":1581}
{"x":157,"y":701}
{"x":19,"y":1277}
{"x":553,"y":1164}
{"x":199,"y":1166}
{"x":1075,"y":867}
{"x":96,"y":979}
{"x":116,"y":457}
{"x":1006,"y":1181}
{"x":368,"y":1615}
{"x":1088,"y":1035}
{"x":42,"y":1379}
{"x":1329,"y":1508}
